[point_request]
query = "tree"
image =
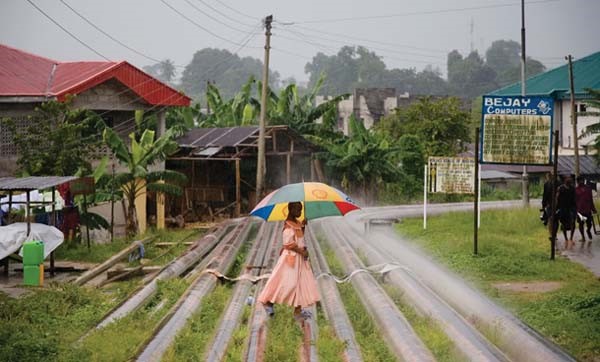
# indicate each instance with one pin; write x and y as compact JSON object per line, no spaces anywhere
{"x":137,"y":159}
{"x":364,"y":159}
{"x":163,"y":71}
{"x":60,"y":142}
{"x":225,"y":70}
{"x":240,"y":110}
{"x":441,"y":125}
{"x":504,"y":57}
{"x":469,"y":77}
{"x":300,"y":112}
{"x":594,"y":105}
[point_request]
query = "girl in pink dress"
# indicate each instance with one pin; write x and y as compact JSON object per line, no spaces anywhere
{"x":292,"y":281}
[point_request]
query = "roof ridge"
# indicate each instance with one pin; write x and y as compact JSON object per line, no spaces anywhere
{"x":28,"y":53}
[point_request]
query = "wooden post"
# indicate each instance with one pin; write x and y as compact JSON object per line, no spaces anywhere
{"x":87,"y":229}
{"x":92,"y":273}
{"x":53,"y":224}
{"x":312,"y":167}
{"x":160,"y":209}
{"x":27,"y":214}
{"x":553,"y":220}
{"x":288,"y":168}
{"x":112,"y":204}
{"x":238,"y":195}
{"x":573,"y":115}
{"x":476,"y":205}
{"x":140,"y":204}
{"x":261,"y":160}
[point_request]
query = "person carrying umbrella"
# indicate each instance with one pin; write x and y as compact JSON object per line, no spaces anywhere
{"x":292,"y":281}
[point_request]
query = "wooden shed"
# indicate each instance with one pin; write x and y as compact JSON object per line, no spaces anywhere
{"x":220,"y":164}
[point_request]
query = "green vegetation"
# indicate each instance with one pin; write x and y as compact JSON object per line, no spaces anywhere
{"x":427,"y":329}
{"x":368,"y":336}
{"x":514,"y":246}
{"x":329,"y":347}
{"x":237,"y":344}
{"x":158,"y":255}
{"x":284,"y":337}
{"x":46,"y":324}
{"x":192,"y":341}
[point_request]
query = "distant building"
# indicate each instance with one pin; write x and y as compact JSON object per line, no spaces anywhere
{"x":555,"y":84}
{"x":368,"y":104}
{"x":115,"y":90}
{"x":372,"y":104}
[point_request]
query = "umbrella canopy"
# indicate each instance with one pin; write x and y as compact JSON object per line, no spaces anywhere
{"x":318,"y":199}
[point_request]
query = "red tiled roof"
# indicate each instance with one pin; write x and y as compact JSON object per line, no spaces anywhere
{"x":25,"y":74}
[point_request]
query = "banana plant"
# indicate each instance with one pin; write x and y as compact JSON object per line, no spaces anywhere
{"x":142,"y":152}
{"x":364,"y":159}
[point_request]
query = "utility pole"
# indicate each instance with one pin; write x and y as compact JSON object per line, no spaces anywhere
{"x":573,"y":115}
{"x":260,"y":164}
{"x":207,"y":102}
{"x":525,"y":191}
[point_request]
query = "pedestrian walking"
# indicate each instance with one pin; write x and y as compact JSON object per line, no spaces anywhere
{"x":585,"y":207}
{"x":566,"y":209}
{"x":292,"y":281}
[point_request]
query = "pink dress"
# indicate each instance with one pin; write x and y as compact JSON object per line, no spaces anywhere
{"x":292,"y":281}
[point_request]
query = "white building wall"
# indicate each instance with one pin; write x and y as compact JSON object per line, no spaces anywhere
{"x":566,"y":128}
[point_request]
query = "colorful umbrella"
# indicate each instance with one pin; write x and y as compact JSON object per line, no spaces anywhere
{"x":319,"y":200}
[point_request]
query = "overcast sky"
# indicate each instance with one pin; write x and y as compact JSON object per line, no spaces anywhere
{"x":405,"y":33}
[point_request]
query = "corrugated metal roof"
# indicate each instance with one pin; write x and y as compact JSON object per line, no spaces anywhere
{"x":494,"y":174}
{"x":587,"y":165}
{"x":26,"y":74}
{"x":216,"y":137}
{"x":33,"y":182}
{"x":555,"y":82}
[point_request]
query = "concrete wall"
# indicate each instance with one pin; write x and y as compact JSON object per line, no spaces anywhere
{"x":563,"y":116}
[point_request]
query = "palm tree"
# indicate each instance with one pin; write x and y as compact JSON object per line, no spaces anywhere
{"x":137,"y":158}
{"x":594,"y":128}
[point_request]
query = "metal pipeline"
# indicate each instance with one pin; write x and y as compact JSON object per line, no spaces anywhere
{"x":331,"y":301}
{"x":221,"y":259}
{"x":175,"y":268}
{"x":399,"y":334}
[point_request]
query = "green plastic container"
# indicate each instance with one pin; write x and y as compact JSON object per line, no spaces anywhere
{"x":33,"y":253}
{"x":33,"y":275}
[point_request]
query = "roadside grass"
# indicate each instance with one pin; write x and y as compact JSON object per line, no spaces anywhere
{"x":427,"y":329}
{"x":46,"y":324}
{"x":514,"y":246}
{"x":368,"y":336}
{"x":158,"y":255}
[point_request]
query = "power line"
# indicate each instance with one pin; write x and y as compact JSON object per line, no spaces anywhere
{"x":225,"y":15}
{"x":198,"y":25}
{"x":330,"y":49}
{"x":112,"y":37}
{"x":370,"y":47}
{"x":237,"y":11}
{"x":66,"y":31}
{"x":213,"y":18}
{"x":424,"y":12}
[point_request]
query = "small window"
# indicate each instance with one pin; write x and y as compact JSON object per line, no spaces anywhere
{"x":582,"y":108}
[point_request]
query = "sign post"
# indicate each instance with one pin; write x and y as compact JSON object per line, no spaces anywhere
{"x":476,"y":194}
{"x":516,"y":130}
